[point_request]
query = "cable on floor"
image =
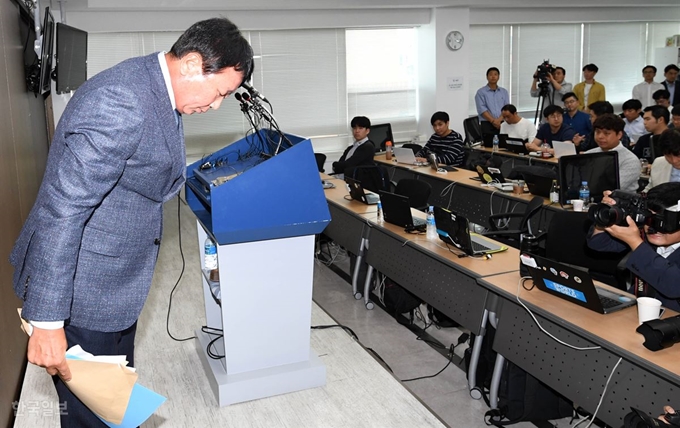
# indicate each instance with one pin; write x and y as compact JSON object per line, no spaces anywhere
{"x":181,"y":274}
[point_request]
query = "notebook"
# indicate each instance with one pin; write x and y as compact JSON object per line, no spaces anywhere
{"x":358,"y":193}
{"x":564,"y":148}
{"x":406,"y":156}
{"x":454,"y":229}
{"x":488,"y":140}
{"x":396,"y":210}
{"x":516,"y":145}
{"x":435,"y":166}
{"x":574,"y":285}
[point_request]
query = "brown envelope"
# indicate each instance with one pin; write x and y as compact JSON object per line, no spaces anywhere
{"x":105,"y":388}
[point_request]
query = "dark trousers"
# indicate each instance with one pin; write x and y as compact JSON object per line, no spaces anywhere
{"x":488,"y":128}
{"x":75,"y":414}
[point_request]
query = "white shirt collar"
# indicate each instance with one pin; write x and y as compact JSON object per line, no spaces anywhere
{"x":360,"y":142}
{"x":667,"y":251}
{"x":166,"y":77}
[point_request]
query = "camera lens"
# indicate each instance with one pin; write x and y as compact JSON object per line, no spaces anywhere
{"x":605,"y":215}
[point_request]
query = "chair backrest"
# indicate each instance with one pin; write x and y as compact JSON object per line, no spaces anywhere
{"x":534,"y":206}
{"x":320,"y":161}
{"x":413,"y":146}
{"x":372,"y":177}
{"x":418,"y":192}
{"x":473,"y":130}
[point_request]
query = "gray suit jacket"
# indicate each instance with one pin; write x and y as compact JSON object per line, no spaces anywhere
{"x":661,"y":173}
{"x":88,"y":249}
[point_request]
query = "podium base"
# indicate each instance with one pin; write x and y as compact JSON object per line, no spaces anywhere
{"x":237,"y":388}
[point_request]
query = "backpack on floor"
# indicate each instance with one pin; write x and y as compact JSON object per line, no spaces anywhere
{"x":522,"y":397}
{"x":398,"y":300}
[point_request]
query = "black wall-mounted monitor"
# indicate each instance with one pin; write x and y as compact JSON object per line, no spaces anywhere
{"x":47,"y":45}
{"x":379,"y":134}
{"x":600,"y":170}
{"x":71,"y":58}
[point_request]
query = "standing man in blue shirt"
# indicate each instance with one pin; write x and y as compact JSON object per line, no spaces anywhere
{"x":489,"y":100}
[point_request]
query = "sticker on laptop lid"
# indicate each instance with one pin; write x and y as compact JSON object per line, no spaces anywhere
{"x":528,"y":260}
{"x":564,"y":275}
{"x":553,"y":271}
{"x":577,"y":279}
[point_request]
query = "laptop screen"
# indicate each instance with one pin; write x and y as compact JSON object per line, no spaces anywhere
{"x":600,"y":170}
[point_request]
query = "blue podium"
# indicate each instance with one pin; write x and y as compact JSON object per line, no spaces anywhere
{"x":263,"y":212}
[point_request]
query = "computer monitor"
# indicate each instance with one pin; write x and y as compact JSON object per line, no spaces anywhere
{"x":71,"y":58}
{"x":379,"y":134}
{"x":600,"y":170}
{"x":46,"y":52}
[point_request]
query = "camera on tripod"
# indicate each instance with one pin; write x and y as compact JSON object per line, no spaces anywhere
{"x":635,"y":206}
{"x":543,"y":70}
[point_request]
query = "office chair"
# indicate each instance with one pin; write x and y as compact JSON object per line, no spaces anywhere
{"x":565,"y":241}
{"x":413,"y":146}
{"x":418,"y":192}
{"x":473,"y":130}
{"x":372,"y":177}
{"x":320,"y":161}
{"x":512,"y":236}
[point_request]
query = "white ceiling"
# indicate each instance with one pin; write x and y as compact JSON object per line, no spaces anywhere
{"x":238,"y":5}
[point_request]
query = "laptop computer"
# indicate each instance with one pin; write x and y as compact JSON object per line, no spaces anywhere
{"x":494,"y":177}
{"x":488,"y":140}
{"x":574,"y":285}
{"x":435,"y":166}
{"x":516,"y":145}
{"x":564,"y":148}
{"x":396,"y":210}
{"x":357,"y":192}
{"x":406,"y":156}
{"x":454,"y":229}
{"x":538,"y":185}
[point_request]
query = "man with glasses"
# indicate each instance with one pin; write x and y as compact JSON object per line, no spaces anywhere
{"x":553,"y":130}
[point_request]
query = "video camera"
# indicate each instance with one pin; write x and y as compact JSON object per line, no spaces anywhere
{"x":635,"y":206}
{"x":543,"y":70}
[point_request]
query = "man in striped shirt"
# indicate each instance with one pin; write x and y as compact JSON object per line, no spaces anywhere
{"x":445,"y":143}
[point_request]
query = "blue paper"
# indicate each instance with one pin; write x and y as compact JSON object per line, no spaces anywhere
{"x":143,"y":403}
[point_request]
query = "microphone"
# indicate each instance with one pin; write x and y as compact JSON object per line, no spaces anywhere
{"x":253,"y":92}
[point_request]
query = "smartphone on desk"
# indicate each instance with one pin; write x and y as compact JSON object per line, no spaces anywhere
{"x":475,"y":178}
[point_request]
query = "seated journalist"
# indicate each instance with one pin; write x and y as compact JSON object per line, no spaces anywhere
{"x":653,"y":257}
{"x":445,"y":143}
{"x":361,"y":152}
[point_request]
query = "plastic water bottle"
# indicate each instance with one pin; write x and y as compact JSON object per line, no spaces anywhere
{"x":554,"y":193}
{"x":431,"y":226}
{"x":210,"y":261}
{"x":380,"y":212}
{"x":495,"y":143}
{"x":584,"y":194}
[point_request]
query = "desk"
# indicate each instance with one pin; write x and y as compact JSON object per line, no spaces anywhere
{"x":458,"y":192}
{"x":511,"y":160}
{"x":435,"y":274}
{"x":644,"y":379}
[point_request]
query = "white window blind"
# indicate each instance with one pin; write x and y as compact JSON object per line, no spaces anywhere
{"x":618,"y":49}
{"x":302,"y":73}
{"x":489,"y":47}
{"x":532,"y":44}
{"x":381,"y":78}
